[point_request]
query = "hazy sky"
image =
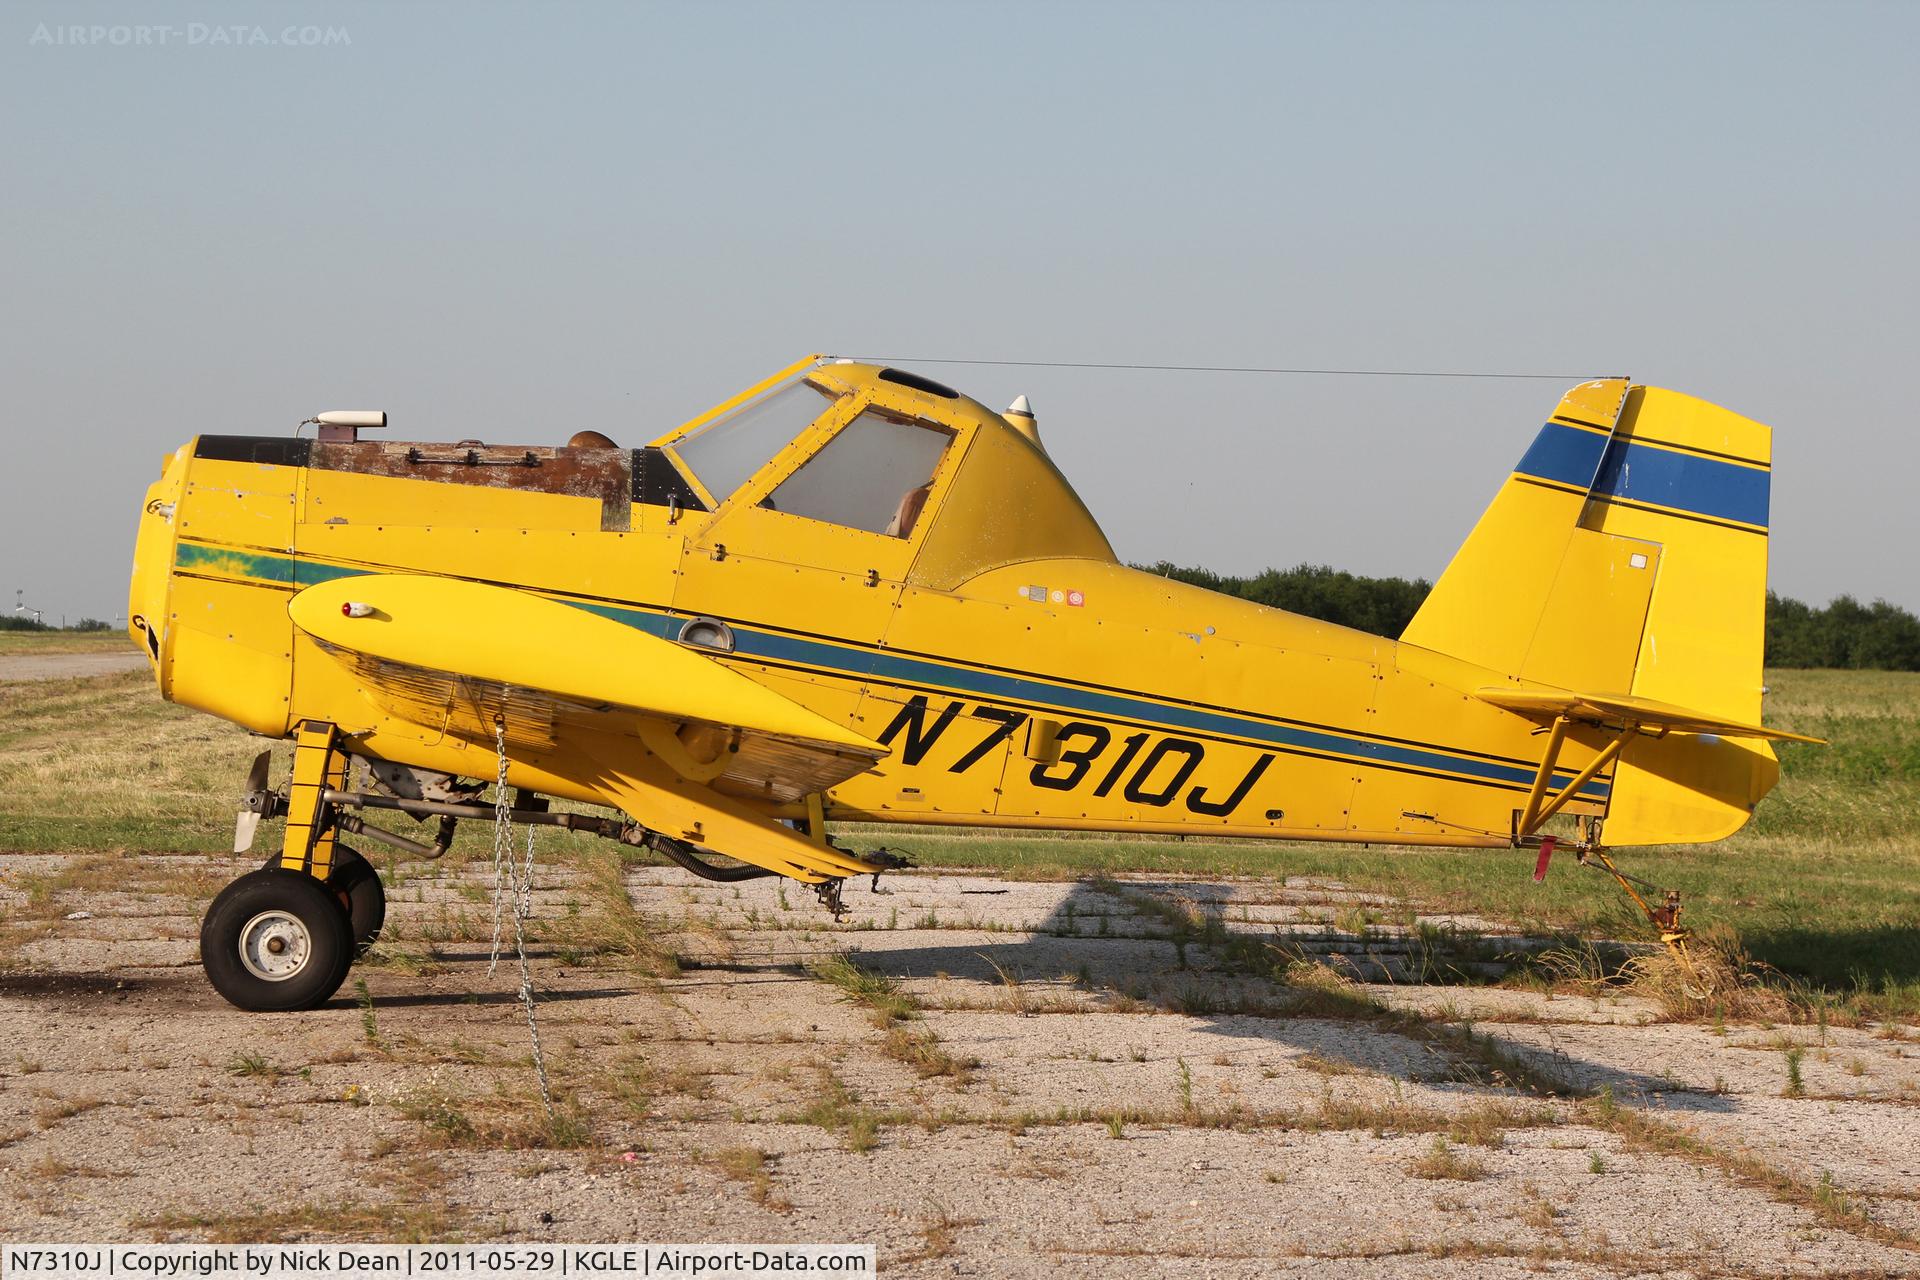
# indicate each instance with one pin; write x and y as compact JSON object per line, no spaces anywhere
{"x":513,"y":222}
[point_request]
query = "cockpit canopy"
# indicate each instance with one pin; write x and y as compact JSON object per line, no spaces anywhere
{"x":890,"y":455}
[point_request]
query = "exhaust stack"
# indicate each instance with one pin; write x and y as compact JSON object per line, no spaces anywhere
{"x":345,"y":425}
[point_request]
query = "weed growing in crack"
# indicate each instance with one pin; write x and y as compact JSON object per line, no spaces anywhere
{"x":885,"y":1001}
{"x":1796,"y":1086}
{"x":754,"y":1167}
{"x":937,"y":1228}
{"x":837,"y":1110}
{"x":1014,"y":993}
{"x":920,"y":1049}
{"x":1444,"y":1161}
{"x":1830,"y":1199}
{"x":369,"y":1024}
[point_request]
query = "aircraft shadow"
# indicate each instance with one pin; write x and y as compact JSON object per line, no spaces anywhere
{"x":535,"y":951}
{"x":429,"y":1000}
{"x":1888,"y":956}
{"x":96,"y":985}
{"x":1331,"y":1020}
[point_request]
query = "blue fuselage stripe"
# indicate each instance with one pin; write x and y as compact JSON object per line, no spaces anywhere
{"x":876,"y":664}
{"x":1635,"y":472}
{"x":859,"y":662}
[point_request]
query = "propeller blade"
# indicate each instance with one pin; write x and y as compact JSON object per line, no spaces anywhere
{"x":252,"y":803}
{"x":257,"y":775}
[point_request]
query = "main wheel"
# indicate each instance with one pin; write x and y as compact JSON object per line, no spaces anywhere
{"x":355,"y":882}
{"x":276,"y":940}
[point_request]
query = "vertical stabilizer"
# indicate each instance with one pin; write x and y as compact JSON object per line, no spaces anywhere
{"x":1627,"y":554}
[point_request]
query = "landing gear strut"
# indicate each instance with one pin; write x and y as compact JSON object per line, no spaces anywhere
{"x":1665,"y":918}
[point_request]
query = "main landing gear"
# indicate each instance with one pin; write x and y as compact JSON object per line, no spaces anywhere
{"x":283,"y":938}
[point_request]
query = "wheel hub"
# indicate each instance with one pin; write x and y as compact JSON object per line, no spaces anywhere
{"x":275,"y":946}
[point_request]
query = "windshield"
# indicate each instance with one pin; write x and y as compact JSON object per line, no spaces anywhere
{"x":724,"y":454}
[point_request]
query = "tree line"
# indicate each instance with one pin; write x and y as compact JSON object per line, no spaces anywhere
{"x":1845,"y":633}
{"x":15,"y":622}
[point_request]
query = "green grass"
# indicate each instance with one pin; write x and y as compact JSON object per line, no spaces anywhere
{"x":1823,"y":885}
{"x":101,"y":764}
{"x":33,"y":642}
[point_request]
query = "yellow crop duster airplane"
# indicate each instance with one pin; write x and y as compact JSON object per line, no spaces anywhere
{"x":852,"y":593}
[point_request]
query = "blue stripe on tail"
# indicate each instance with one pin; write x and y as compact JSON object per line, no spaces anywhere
{"x":1635,"y":472}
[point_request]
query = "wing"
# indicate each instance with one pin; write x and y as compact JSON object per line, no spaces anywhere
{"x":1619,"y":708}
{"x":564,"y":682}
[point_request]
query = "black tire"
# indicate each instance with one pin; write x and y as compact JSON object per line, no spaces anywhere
{"x":355,"y":882}
{"x":268,"y":908}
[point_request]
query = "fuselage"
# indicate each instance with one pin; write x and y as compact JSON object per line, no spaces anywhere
{"x":1017,"y":673}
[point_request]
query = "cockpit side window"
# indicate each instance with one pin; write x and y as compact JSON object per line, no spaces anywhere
{"x":874,"y":475}
{"x":726,"y":452}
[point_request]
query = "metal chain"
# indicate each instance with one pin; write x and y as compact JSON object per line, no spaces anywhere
{"x":526,"y":879}
{"x":502,"y":842}
{"x":515,"y":886}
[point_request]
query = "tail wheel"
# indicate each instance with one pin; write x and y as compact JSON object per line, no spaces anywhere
{"x":357,"y":885}
{"x":275,"y":941}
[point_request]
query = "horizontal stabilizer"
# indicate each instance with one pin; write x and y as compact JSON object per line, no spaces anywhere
{"x":1620,"y":708}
